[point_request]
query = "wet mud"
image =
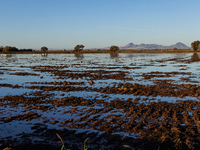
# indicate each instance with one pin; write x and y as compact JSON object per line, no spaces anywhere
{"x":113,"y":105}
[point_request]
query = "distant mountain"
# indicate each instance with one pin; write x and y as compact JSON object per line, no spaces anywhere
{"x":178,"y":45}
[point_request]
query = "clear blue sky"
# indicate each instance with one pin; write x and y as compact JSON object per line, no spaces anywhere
{"x":62,"y":24}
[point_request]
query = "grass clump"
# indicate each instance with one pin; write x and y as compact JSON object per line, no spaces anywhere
{"x":127,"y":146}
{"x":63,"y":145}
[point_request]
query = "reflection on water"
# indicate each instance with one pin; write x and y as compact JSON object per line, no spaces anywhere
{"x":79,"y":55}
{"x":114,"y":55}
{"x":130,"y":55}
{"x":94,"y":63}
{"x":8,"y":55}
{"x":180,"y":55}
{"x":44,"y":54}
{"x":195,"y":57}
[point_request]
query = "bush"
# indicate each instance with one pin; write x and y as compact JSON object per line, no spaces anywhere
{"x":1,"y":48}
{"x":114,"y":48}
{"x":44,"y":49}
{"x":195,"y":45}
{"x":9,"y":49}
{"x":78,"y":48}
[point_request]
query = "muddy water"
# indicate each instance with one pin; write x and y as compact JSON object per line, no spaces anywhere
{"x":151,"y":99}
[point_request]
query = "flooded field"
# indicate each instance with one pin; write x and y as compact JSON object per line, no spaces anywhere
{"x":142,"y":100}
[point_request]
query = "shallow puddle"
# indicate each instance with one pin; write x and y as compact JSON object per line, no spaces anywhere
{"x":131,"y":95}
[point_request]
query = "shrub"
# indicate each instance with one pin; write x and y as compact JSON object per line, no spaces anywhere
{"x":1,"y":48}
{"x":78,"y":48}
{"x":195,"y":45}
{"x":114,"y":48}
{"x":44,"y":49}
{"x":9,"y":49}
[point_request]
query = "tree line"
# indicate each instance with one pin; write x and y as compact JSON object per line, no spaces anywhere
{"x":78,"y":48}
{"x":44,"y":49}
{"x":9,"y":49}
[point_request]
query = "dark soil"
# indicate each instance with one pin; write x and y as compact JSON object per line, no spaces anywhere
{"x":150,"y":124}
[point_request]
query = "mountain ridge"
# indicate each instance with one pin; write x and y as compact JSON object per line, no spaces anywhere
{"x":141,"y":46}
